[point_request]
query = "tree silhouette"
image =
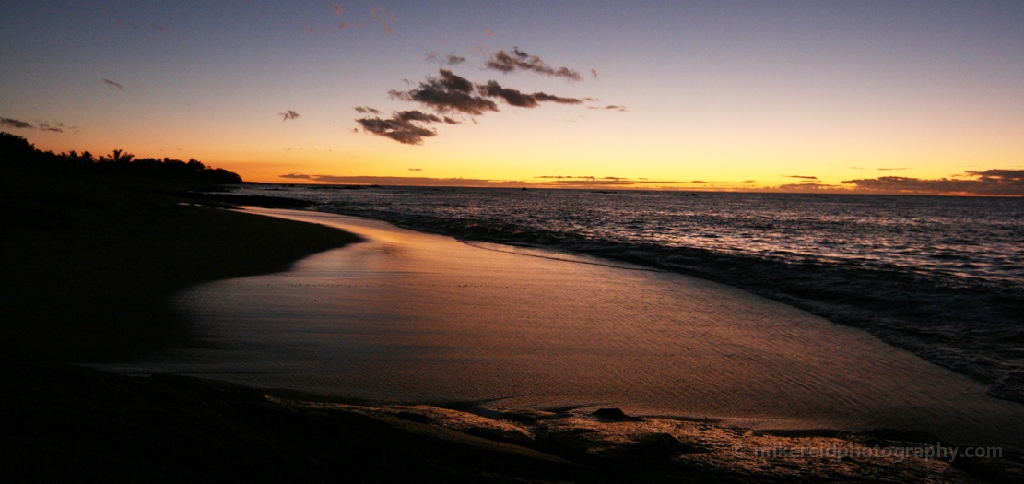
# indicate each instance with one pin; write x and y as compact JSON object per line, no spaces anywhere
{"x":120,"y":156}
{"x":18,"y":155}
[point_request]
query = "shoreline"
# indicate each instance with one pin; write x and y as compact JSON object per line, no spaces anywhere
{"x":323,"y":277}
{"x":918,"y":312}
{"x":96,"y":423}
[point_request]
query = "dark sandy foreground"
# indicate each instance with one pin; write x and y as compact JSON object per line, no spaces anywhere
{"x":86,"y":273}
{"x":64,"y":424}
{"x":87,"y":266}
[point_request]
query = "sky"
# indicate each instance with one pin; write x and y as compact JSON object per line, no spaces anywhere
{"x":792,"y":96}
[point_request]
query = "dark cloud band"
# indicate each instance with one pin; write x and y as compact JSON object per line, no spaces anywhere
{"x":988,"y":182}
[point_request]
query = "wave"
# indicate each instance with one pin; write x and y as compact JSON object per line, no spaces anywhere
{"x":969,"y":326}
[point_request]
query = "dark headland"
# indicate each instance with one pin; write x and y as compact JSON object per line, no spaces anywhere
{"x":93,"y":247}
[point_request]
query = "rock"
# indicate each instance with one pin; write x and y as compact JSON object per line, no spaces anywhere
{"x":612,"y":413}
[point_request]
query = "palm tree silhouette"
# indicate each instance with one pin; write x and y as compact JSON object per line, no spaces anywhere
{"x":119,"y":156}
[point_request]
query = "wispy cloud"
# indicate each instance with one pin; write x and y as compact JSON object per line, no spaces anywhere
{"x":289,"y":115}
{"x":113,"y":84}
{"x":610,"y":107}
{"x":157,"y":27}
{"x":415,"y":169}
{"x":808,"y":186}
{"x":517,"y":98}
{"x":450,"y":59}
{"x":893,"y":169}
{"x":519,"y":60}
{"x":802,"y":177}
{"x":338,"y":10}
{"x":567,"y":177}
{"x":366,"y":109}
{"x":14,"y":123}
{"x":40,"y":125}
{"x":382,"y":16}
{"x":593,"y":73}
{"x":402,"y":180}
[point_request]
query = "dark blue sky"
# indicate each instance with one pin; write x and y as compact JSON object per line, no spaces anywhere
{"x":718,"y":91}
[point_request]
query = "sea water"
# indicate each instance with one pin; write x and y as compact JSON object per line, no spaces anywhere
{"x":941,"y":276}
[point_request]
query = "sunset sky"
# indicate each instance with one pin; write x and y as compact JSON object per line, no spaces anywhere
{"x":686,"y":94}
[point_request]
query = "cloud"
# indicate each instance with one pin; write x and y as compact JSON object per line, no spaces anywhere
{"x":999,"y":176}
{"x":893,"y":169}
{"x":812,"y":186}
{"x":338,"y":9}
{"x":14,"y":123}
{"x":402,"y":180}
{"x":593,"y":73}
{"x":549,"y":181}
{"x":988,"y":182}
{"x":47,"y":127}
{"x":289,"y":115}
{"x":567,"y":177}
{"x":401,"y":127}
{"x":610,"y":107}
{"x":113,"y":84}
{"x":802,"y":177}
{"x":41,"y":125}
{"x":518,"y":60}
{"x":447,"y":94}
{"x":343,"y":26}
{"x":450,"y":59}
{"x":157,"y":27}
{"x":517,"y":98}
{"x":417,"y":116}
{"x":489,"y":33}
{"x":381,"y":16}
{"x":540,"y":96}
{"x":590,"y":181}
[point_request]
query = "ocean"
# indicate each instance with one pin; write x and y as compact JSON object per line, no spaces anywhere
{"x":940,"y":276}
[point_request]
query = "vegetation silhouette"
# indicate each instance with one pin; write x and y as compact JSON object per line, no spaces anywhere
{"x":92,"y":248}
{"x":18,"y":156}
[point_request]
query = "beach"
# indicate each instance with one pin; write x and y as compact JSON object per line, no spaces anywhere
{"x":410,"y":317}
{"x":459,"y":399}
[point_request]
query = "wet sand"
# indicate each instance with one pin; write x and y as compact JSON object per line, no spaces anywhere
{"x":413,"y":317}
